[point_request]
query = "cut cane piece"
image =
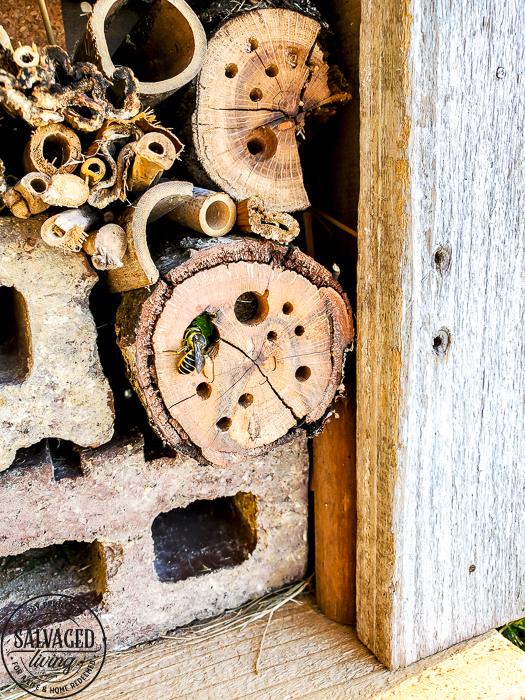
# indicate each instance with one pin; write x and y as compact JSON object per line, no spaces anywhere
{"x":165,"y":49}
{"x":52,"y":149}
{"x":212,"y":213}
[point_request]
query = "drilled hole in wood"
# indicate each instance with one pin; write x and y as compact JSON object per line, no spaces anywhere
{"x":251,"y":308}
{"x":256,"y":95}
{"x":441,"y":342}
{"x":287,"y":308}
{"x":299,"y":330}
{"x":38,"y":184}
{"x":246,"y":400}
{"x":224,"y":424}
{"x":205,"y":536}
{"x":217,"y":215}
{"x":55,"y":149}
{"x":15,"y":337}
{"x":272,"y":71}
{"x":231,"y":70}
{"x":94,"y":168}
{"x":272,"y":335}
{"x":156,"y":147}
{"x":204,"y":390}
{"x":303,"y":373}
{"x":441,"y":259}
{"x":253,"y":45}
{"x":262,"y":143}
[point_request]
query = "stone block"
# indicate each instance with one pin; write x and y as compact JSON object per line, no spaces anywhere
{"x":151,"y":545}
{"x":51,"y":380}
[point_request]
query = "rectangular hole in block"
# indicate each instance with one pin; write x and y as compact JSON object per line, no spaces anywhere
{"x":71,"y":568}
{"x":15,"y":337}
{"x":65,"y":457}
{"x":204,"y":536}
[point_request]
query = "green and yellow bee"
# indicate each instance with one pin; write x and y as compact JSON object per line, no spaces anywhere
{"x":201,"y":339}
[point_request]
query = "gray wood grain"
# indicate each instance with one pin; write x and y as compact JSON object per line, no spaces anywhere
{"x":441,"y":436}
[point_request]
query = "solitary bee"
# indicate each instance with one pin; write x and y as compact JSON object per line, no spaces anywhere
{"x":201,"y":339}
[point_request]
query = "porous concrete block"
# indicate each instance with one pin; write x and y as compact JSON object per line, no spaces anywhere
{"x":114,"y":507}
{"x":51,"y":380}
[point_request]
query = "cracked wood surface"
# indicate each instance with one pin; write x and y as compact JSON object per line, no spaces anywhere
{"x":441,"y":244}
{"x":305,"y":655}
{"x":275,"y":370}
{"x":263,"y":83}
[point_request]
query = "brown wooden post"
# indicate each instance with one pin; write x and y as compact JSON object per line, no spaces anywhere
{"x":334,"y":485}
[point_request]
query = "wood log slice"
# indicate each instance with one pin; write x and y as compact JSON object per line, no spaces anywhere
{"x":284,"y":326}
{"x":264,"y":80}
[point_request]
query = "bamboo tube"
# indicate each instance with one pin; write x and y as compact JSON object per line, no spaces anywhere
{"x":53,"y":148}
{"x":68,"y":230}
{"x":212,"y":213}
{"x":26,"y":57}
{"x":107,"y":247}
{"x":93,"y":170}
{"x":32,"y":187}
{"x":154,"y":153}
{"x":66,"y":190}
{"x":16,"y":204}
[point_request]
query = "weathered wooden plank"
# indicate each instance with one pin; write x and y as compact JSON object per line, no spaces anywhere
{"x":441,"y":308}
{"x":305,"y":656}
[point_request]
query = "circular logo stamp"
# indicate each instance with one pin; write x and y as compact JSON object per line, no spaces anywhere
{"x":53,"y":646}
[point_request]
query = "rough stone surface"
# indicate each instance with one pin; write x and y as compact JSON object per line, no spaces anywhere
{"x":114,"y":503}
{"x":64,"y":394}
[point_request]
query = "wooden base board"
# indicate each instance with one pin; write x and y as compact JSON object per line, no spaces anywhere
{"x":305,"y":655}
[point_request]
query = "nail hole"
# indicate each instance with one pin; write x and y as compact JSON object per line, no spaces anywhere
{"x":472,"y":568}
{"x":251,"y":308}
{"x":272,"y":335}
{"x":256,"y":95}
{"x":246,"y":400}
{"x":287,"y":308}
{"x":204,"y":390}
{"x":441,"y":342}
{"x":223,"y":425}
{"x":303,"y":374}
{"x":441,"y":259}
{"x":272,"y":71}
{"x":231,"y":70}
{"x":253,"y":45}
{"x":156,"y":148}
{"x":299,"y":330}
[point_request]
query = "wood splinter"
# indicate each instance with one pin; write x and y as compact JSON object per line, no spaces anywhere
{"x":107,"y":247}
{"x":68,"y":230}
{"x":54,"y":148}
{"x":66,"y":190}
{"x":212,"y":213}
{"x":154,"y":153}
{"x":252,"y":217}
